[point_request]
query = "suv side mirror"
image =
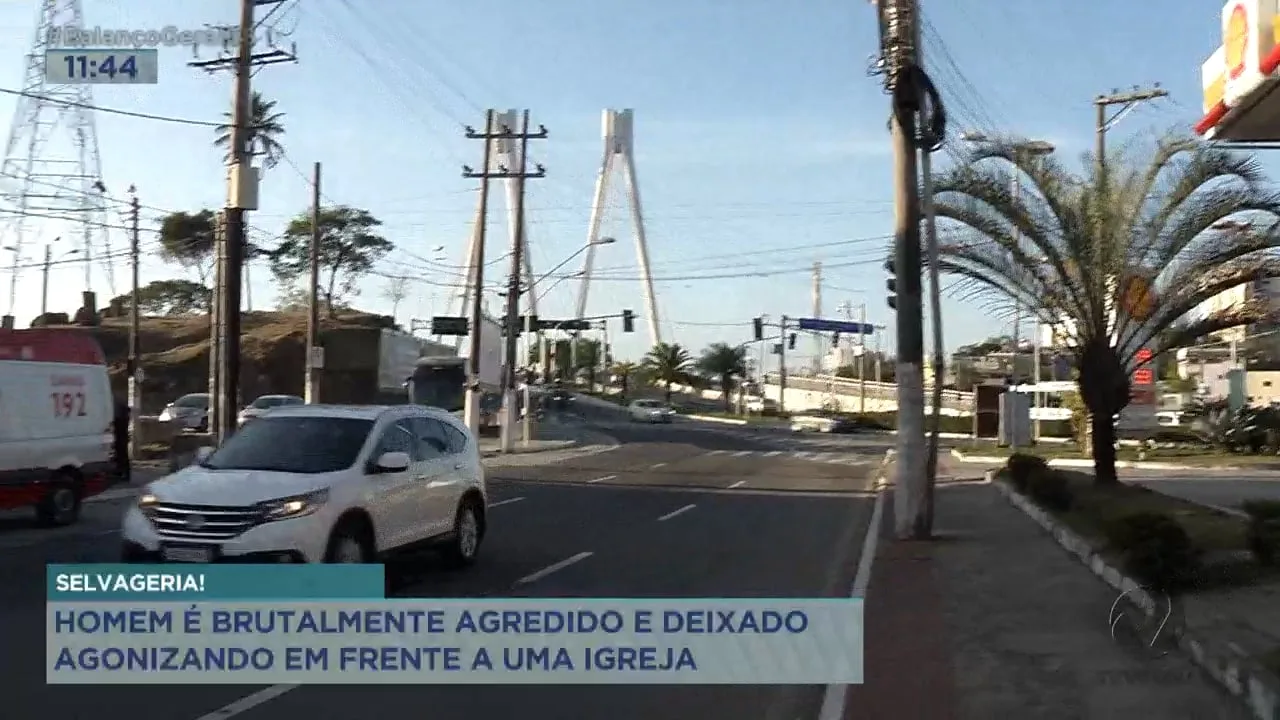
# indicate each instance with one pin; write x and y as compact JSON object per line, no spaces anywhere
{"x":392,"y":462}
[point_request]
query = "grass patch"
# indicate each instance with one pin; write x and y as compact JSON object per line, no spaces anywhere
{"x":1097,"y":506}
{"x":1184,"y":454}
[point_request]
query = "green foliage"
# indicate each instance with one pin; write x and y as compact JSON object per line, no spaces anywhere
{"x":560,"y":353}
{"x":1156,"y":550}
{"x":1068,"y":247}
{"x":1263,"y":534}
{"x":1021,"y":467}
{"x":667,"y":364}
{"x":169,"y":297}
{"x":1050,"y":489}
{"x":727,"y":364}
{"x":1079,"y":417}
{"x":188,"y":239}
{"x":350,"y":246}
{"x":266,"y":126}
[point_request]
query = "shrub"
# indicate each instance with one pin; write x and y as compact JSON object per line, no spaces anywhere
{"x":1155,"y":549}
{"x":1021,"y":467}
{"x":1049,"y":488}
{"x":1263,"y":534}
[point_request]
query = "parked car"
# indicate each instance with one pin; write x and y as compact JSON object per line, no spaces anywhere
{"x":189,"y":412}
{"x":825,"y":422}
{"x":264,"y":403}
{"x":319,"y":483}
{"x":56,"y":420}
{"x":650,"y":411}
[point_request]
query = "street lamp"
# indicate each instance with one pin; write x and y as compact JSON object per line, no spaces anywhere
{"x":1021,"y":148}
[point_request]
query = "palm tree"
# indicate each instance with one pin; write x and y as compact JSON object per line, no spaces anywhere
{"x":1148,"y":240}
{"x":266,"y":126}
{"x":624,"y":371}
{"x":669,"y":363}
{"x":726,"y":363}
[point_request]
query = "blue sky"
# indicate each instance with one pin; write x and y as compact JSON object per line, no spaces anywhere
{"x":761,"y":141}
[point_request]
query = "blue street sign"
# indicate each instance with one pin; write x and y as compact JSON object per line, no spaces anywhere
{"x":841,"y":326}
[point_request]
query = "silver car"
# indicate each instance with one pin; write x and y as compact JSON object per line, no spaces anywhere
{"x":189,"y":412}
{"x":264,"y":403}
{"x":650,"y":411}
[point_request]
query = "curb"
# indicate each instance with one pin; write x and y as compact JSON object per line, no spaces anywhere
{"x":1083,"y":463}
{"x":1254,"y":688}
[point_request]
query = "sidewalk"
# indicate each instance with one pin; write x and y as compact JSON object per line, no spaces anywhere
{"x":995,"y":620}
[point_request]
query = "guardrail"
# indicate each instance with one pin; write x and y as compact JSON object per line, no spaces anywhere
{"x":953,"y":399}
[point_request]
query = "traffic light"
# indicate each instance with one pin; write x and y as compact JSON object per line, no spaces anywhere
{"x":628,"y":321}
{"x":757,"y":325}
{"x":791,"y":341}
{"x":891,"y":284}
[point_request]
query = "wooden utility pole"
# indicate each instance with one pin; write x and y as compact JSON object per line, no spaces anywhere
{"x":512,"y":324}
{"x":315,"y":353}
{"x":476,"y":279}
{"x":1103,"y":120}
{"x":242,"y":196}
{"x":135,"y":314}
{"x":910,"y":484}
{"x":216,"y":330}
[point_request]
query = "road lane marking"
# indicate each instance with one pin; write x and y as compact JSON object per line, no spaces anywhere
{"x":508,"y":501}
{"x":738,"y":484}
{"x":553,"y":568}
{"x":602,"y":479}
{"x":801,"y":455}
{"x":836,"y":697}
{"x":742,"y":453}
{"x":773,"y":453}
{"x":655,"y":466}
{"x":249,"y":702}
{"x":717,"y":452}
{"x":676,"y":513}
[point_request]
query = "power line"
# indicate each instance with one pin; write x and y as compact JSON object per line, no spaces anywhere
{"x":113,"y":111}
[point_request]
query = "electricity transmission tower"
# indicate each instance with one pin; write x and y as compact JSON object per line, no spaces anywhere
{"x":52,"y":170}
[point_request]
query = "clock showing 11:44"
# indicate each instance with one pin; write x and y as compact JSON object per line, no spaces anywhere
{"x":80,"y":66}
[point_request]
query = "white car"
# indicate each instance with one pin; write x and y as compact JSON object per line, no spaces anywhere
{"x":189,"y":412}
{"x":259,"y":407}
{"x":650,"y":411}
{"x":319,"y":483}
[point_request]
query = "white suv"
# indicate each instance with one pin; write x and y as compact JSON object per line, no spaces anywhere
{"x":317,"y":483}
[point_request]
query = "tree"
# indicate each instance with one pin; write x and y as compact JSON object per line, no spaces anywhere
{"x":168,"y":297}
{"x":726,"y":364}
{"x":623,"y":372}
{"x":265,"y":129}
{"x":561,"y":356}
{"x":396,"y":290}
{"x":188,"y":239}
{"x":349,"y":248}
{"x":1145,"y":238}
{"x":668,"y":363}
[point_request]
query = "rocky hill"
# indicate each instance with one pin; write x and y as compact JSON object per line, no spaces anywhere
{"x":175,"y":352}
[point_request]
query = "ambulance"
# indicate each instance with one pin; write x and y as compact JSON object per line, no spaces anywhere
{"x":56,"y":411}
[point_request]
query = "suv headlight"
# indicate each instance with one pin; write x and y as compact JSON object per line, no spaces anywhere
{"x":146,"y":501}
{"x":295,"y":506}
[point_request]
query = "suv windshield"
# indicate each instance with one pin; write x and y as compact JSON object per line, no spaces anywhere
{"x":293,"y":445}
{"x":192,"y":401}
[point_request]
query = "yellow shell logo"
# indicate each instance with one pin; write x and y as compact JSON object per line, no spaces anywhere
{"x":1236,"y":41}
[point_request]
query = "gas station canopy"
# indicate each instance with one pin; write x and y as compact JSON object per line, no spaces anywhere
{"x":1240,"y":79}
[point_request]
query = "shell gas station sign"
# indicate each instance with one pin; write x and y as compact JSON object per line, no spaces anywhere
{"x":1239,"y":78}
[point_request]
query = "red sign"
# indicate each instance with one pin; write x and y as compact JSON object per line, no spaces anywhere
{"x":1144,"y":356}
{"x":1143,"y":376}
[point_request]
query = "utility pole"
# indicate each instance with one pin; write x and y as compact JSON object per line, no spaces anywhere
{"x":862,"y":363}
{"x":216,"y":329}
{"x":910,"y":484}
{"x":315,"y":353}
{"x":818,"y":346}
{"x":512,"y":325}
{"x":242,"y":196}
{"x":44,"y":281}
{"x":476,"y":321}
{"x":135,"y":370}
{"x":1104,"y":121}
{"x":935,"y":314}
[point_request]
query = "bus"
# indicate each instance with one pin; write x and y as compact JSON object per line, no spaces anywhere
{"x":442,"y":382}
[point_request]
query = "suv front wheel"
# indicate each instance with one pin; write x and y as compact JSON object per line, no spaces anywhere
{"x":468,"y":533}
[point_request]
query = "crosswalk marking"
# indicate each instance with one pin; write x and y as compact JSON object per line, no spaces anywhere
{"x":717,"y":452}
{"x":833,"y":458}
{"x":743,"y":453}
{"x":773,"y":453}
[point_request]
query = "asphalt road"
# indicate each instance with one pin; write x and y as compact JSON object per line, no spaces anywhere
{"x":1221,"y":488}
{"x":673,"y":511}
